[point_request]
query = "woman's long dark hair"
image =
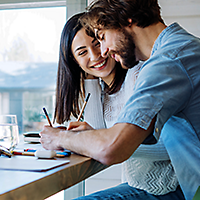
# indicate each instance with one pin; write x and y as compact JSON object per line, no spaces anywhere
{"x":70,"y":77}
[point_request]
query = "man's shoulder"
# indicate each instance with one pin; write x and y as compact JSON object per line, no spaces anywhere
{"x":175,"y":41}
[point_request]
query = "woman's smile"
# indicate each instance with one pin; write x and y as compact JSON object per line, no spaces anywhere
{"x":101,"y":65}
{"x":87,"y":53}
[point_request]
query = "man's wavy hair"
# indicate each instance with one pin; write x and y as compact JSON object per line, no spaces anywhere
{"x":114,"y":14}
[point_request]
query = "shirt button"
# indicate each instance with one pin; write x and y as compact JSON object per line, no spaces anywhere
{"x":156,"y":130}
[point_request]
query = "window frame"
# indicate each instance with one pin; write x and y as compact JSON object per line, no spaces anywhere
{"x":30,"y":4}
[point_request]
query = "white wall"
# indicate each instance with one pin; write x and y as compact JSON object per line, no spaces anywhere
{"x":185,"y":12}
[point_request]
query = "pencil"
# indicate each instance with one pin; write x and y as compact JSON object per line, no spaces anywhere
{"x":47,"y":116}
{"x":85,"y":102}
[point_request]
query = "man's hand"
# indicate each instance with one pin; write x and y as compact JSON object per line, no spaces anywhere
{"x":50,"y":137}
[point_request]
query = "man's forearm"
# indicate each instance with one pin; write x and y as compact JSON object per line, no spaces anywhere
{"x":109,"y":146}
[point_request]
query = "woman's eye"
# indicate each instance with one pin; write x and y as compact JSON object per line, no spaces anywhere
{"x":82,"y":53}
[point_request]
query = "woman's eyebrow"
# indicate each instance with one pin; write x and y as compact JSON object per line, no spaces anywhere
{"x":82,"y":47}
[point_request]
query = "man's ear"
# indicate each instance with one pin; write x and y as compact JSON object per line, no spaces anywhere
{"x":130,"y":22}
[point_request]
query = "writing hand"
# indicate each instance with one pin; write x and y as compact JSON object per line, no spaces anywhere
{"x":79,"y":126}
{"x":50,"y":137}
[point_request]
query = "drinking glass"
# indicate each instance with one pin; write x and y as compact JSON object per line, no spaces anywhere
{"x":9,"y":131}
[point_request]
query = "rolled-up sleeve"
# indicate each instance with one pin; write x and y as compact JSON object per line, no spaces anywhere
{"x":163,"y":88}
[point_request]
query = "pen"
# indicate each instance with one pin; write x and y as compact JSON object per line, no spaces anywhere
{"x":23,"y":153}
{"x":30,"y":150}
{"x":47,"y":116}
{"x":32,"y":153}
{"x":85,"y":102}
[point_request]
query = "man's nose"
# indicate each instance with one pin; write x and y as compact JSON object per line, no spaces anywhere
{"x":104,"y":51}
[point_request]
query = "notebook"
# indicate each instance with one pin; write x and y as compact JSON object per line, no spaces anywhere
{"x":26,"y":163}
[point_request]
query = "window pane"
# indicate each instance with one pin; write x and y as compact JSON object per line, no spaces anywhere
{"x":29,"y":53}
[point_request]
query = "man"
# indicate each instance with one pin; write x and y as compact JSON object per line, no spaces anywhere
{"x":166,"y":99}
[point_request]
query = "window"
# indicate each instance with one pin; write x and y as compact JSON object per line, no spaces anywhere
{"x":29,"y":50}
{"x":28,"y":61}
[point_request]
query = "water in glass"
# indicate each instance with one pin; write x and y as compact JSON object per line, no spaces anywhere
{"x":9,"y":132}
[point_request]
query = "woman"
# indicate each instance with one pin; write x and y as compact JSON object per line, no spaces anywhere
{"x":71,"y":74}
{"x":148,"y":171}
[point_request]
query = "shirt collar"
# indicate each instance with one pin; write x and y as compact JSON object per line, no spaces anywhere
{"x":161,"y":38}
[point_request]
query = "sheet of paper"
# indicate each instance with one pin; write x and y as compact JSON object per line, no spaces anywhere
{"x":28,"y":163}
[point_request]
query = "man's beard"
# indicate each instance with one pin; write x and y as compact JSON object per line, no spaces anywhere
{"x":126,"y":49}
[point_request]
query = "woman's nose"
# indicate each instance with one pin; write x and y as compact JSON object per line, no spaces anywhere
{"x":95,"y":54}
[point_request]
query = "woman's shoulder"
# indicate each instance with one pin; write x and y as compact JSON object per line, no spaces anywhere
{"x":136,"y":69}
{"x":133,"y":73}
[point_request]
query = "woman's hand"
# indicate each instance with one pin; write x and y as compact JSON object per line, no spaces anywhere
{"x":79,"y":126}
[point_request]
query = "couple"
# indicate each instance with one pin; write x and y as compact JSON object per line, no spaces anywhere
{"x":162,"y":105}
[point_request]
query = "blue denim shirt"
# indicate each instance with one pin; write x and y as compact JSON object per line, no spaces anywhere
{"x":168,"y":83}
{"x":168,"y":88}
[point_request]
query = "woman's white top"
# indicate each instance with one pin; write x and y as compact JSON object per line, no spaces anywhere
{"x":149,"y":168}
